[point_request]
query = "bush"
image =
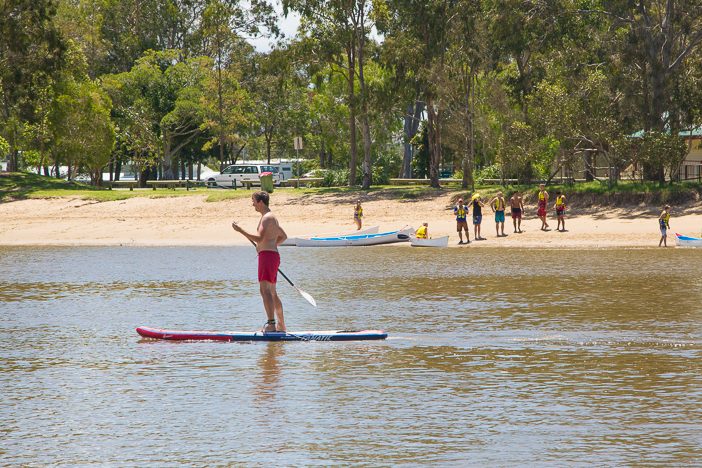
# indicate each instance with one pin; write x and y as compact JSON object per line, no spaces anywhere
{"x":336,"y":178}
{"x":488,"y":172}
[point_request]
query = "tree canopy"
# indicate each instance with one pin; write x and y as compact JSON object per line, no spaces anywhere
{"x":376,"y":88}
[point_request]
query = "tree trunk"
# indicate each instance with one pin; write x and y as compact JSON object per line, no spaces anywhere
{"x":118,"y":168}
{"x":469,"y":157}
{"x":434,"y":143}
{"x":168,"y":168}
{"x":322,"y":155}
{"x":352,"y":117}
{"x":412,"y":120}
{"x":587,"y":162}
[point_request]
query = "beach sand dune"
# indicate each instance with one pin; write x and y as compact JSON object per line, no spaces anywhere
{"x":191,"y":220}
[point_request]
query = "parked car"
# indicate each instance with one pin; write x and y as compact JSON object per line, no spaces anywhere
{"x":242,"y":173}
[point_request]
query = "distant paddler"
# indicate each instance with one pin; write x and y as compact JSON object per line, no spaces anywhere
{"x":269,"y":235}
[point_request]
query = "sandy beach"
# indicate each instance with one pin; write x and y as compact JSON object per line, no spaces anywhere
{"x":182,"y":221}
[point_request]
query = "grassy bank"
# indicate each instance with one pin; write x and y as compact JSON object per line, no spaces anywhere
{"x":18,"y":186}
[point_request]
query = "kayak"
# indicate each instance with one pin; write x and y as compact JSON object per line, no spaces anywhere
{"x":687,"y":241}
{"x":435,"y":242}
{"x":325,"y":335}
{"x":401,"y":235}
{"x":292,"y":241}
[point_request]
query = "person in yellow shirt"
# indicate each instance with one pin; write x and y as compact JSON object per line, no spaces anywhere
{"x":358,"y":215}
{"x":422,"y":232}
{"x":664,"y":224}
{"x":560,"y":207}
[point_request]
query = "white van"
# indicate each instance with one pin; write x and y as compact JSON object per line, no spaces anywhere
{"x":243,"y":173}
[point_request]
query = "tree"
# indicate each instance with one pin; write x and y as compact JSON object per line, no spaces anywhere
{"x":83,"y":131}
{"x":416,"y":40}
{"x":341,"y":27}
{"x":30,"y":50}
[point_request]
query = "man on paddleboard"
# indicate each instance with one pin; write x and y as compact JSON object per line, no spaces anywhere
{"x":269,"y":235}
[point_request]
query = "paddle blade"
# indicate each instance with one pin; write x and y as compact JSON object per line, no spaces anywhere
{"x":307,"y":297}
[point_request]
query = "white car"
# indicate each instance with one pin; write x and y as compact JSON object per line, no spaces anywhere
{"x":241,"y":173}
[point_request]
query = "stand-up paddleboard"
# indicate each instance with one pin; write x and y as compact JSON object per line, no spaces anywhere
{"x":194,"y":335}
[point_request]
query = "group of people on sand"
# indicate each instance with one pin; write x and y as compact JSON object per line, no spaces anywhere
{"x":498,"y":204}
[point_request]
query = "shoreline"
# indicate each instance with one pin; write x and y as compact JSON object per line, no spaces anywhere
{"x":193,"y":222}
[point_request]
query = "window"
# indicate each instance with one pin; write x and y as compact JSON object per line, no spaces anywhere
{"x":240,"y":170}
{"x":228,"y":170}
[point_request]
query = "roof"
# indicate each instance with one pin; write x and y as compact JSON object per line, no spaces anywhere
{"x":694,"y":132}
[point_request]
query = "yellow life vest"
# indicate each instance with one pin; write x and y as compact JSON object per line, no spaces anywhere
{"x":421,"y":232}
{"x":358,"y":212}
{"x":560,"y":200}
{"x":542,"y":196}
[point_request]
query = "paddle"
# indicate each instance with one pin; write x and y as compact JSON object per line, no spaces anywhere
{"x":304,"y":294}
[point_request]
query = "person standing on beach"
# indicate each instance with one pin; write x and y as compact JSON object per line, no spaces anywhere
{"x":498,"y":207}
{"x":461,"y":213}
{"x":664,"y":223}
{"x":560,"y":207}
{"x":358,"y":215}
{"x":269,"y":235}
{"x":477,"y":216}
{"x":543,"y":203}
{"x":517,"y":205}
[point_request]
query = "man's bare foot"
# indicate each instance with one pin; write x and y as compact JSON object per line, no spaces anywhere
{"x":269,"y":326}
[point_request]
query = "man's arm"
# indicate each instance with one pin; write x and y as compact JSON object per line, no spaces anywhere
{"x":281,"y":237}
{"x":256,"y":238}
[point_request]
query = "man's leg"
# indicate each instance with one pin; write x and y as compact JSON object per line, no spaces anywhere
{"x":279,"y":312}
{"x":268,"y":295}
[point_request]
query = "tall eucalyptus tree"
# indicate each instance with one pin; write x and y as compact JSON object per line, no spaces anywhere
{"x":342,"y":27}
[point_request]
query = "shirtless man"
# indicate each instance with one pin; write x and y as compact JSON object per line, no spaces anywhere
{"x":269,"y":235}
{"x":517,"y":205}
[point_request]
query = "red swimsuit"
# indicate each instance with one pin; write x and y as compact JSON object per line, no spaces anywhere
{"x":268,"y":263}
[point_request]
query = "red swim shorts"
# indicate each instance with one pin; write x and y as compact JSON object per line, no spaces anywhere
{"x":268,"y":263}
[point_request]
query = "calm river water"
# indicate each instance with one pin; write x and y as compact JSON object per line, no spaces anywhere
{"x":495,"y":357}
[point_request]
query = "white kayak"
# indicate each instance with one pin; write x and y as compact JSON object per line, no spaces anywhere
{"x":687,"y":241}
{"x":292,"y":241}
{"x":435,"y":242}
{"x":401,"y":235}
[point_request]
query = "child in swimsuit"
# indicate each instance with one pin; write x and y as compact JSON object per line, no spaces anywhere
{"x":358,"y":215}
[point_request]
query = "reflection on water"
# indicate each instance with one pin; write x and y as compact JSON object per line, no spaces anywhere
{"x":514,"y":357}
